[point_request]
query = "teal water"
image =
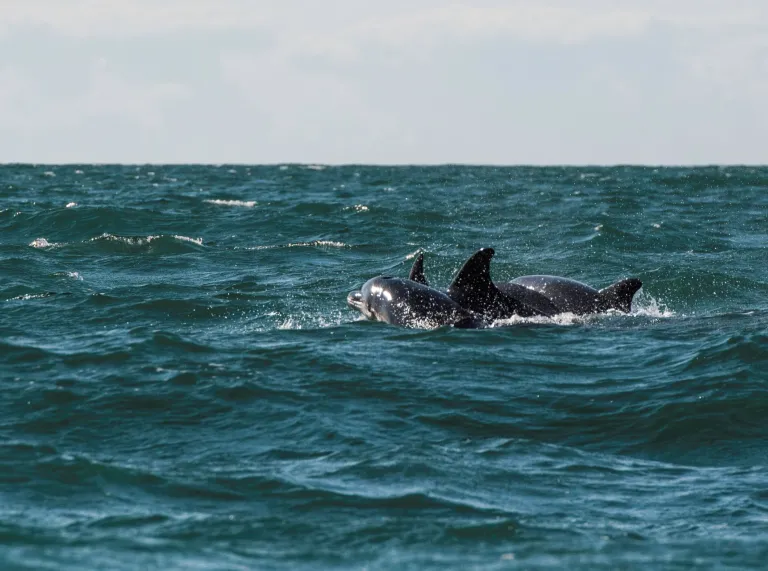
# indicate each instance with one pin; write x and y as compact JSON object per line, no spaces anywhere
{"x":183,"y":387}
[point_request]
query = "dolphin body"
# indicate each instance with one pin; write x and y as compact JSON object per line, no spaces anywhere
{"x":471,"y":301}
{"x":473,"y":289}
{"x":528,"y":295}
{"x":575,"y":297}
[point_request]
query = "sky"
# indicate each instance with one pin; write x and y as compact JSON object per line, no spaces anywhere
{"x":400,"y":82}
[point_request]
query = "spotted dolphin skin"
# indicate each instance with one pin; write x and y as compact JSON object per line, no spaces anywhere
{"x":409,"y":303}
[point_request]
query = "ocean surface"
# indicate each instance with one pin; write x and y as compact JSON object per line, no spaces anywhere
{"x":182,"y":385}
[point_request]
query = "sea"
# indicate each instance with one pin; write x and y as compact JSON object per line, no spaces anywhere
{"x":182,"y":385}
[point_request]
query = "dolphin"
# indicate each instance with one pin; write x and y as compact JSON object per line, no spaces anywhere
{"x":473,"y":289}
{"x":575,"y":297}
{"x":528,"y":295}
{"x":411,"y":304}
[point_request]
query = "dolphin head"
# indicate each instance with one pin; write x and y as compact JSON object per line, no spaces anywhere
{"x":409,"y":303}
{"x":355,"y":300}
{"x":372,"y":300}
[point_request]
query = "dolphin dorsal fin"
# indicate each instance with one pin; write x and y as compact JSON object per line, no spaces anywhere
{"x":417,"y":271}
{"x":473,"y":289}
{"x":619,"y":295}
{"x":475,"y":274}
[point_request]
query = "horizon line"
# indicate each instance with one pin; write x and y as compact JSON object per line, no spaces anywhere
{"x":385,"y":165}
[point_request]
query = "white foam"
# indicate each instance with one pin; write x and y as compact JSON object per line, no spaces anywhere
{"x":71,"y":204}
{"x":125,"y":239}
{"x":316,"y":167}
{"x":222,"y":202}
{"x":40,"y":243}
{"x":138,"y":241}
{"x":289,"y":324}
{"x":643,"y":305}
{"x":315,"y":243}
{"x":563,"y":319}
{"x":28,"y":296}
{"x":198,"y":241}
{"x":357,"y":208}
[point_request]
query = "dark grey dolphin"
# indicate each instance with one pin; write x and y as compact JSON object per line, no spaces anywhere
{"x":529,"y":295}
{"x":575,"y":297}
{"x":473,"y":289}
{"x":409,"y":303}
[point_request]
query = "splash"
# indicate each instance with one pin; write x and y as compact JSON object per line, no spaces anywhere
{"x":412,"y":255}
{"x":358,"y":208}
{"x":562,"y":319}
{"x":309,"y":320}
{"x":646,"y":305}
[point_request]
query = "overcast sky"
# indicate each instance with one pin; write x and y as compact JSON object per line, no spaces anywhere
{"x":353,"y":81}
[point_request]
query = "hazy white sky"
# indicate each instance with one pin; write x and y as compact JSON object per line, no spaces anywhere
{"x":417,"y":81}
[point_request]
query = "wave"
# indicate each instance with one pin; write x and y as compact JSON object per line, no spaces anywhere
{"x":223,"y":202}
{"x":157,"y":243}
{"x":312,"y":244}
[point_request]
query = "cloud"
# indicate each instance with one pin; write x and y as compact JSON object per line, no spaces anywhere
{"x":341,"y":81}
{"x":116,"y":19}
{"x":26,"y":105}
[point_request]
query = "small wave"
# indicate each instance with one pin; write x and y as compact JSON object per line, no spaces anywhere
{"x":315,"y":167}
{"x":358,"y":208}
{"x":143,"y":240}
{"x":314,"y":243}
{"x":71,"y":204}
{"x":42,"y":243}
{"x":73,"y":275}
{"x":28,"y":296}
{"x":198,"y":241}
{"x":222,"y":202}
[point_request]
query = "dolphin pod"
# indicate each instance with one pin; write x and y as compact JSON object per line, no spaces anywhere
{"x":473,"y":300}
